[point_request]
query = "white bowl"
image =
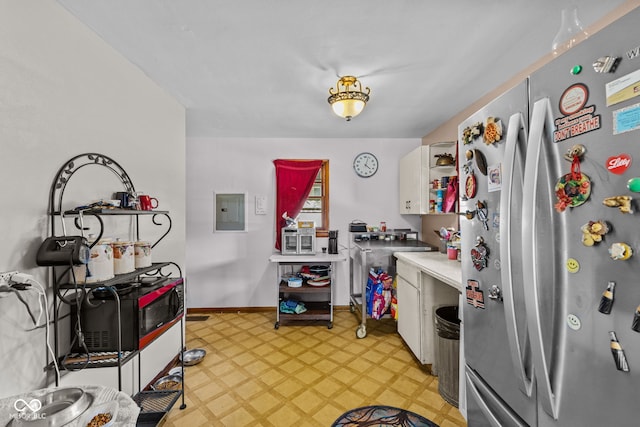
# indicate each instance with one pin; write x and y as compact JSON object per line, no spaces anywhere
{"x":110,"y":407}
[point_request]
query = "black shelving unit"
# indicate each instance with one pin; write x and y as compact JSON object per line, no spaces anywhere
{"x":60,"y":274}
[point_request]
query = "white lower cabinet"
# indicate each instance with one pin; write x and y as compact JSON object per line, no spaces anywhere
{"x":419,"y":295}
{"x":409,"y":315}
{"x":410,"y":308}
{"x":150,"y":361}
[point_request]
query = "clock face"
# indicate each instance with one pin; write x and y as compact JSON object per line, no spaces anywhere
{"x":365,"y":165}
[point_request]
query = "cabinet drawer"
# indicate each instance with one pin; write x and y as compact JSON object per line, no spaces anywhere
{"x":408,"y":272}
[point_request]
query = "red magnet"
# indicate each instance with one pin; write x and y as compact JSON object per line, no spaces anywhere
{"x":475,"y":296}
{"x":470,"y":186}
{"x":618,"y":164}
{"x":480,"y":254}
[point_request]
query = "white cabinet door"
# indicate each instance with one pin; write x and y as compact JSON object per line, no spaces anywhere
{"x":409,"y":315}
{"x":410,"y":182}
{"x":417,"y":171}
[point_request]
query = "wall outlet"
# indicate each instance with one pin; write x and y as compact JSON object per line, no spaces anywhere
{"x":6,"y":276}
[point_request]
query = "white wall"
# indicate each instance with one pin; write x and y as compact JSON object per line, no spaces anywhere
{"x":64,"y":92}
{"x":232,"y":269}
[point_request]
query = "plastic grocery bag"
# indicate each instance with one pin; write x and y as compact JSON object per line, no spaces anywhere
{"x":379,"y":293}
{"x":372,"y":281}
{"x":452,"y":195}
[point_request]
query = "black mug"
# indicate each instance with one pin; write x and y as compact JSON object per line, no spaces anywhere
{"x":124,"y":198}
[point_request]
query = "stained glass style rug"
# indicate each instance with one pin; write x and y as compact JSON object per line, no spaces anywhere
{"x":381,"y":416}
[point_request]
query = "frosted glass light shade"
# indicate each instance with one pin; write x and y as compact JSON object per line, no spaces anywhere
{"x":348,"y":108}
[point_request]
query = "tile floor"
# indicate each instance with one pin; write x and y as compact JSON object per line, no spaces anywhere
{"x":301,"y":374}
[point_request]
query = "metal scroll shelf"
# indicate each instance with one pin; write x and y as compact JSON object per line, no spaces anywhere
{"x":153,"y":270}
{"x":56,"y":196}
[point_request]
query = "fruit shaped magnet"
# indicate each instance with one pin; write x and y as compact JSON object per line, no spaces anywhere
{"x":620,"y":251}
{"x":593,"y":231}
{"x":480,"y":254}
{"x":470,"y":186}
{"x":492,"y":131}
{"x":472,"y":132}
{"x":623,"y":203}
{"x":572,"y":189}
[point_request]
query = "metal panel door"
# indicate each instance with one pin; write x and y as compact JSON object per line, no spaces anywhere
{"x":578,"y":383}
{"x":496,"y":346}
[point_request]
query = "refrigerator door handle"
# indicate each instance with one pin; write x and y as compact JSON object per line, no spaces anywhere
{"x":510,"y":162}
{"x":480,"y":392}
{"x":541,"y":119}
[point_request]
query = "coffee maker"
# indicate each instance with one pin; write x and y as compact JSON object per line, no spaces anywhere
{"x":333,"y":241}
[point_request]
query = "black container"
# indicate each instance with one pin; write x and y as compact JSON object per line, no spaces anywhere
{"x":333,"y":241}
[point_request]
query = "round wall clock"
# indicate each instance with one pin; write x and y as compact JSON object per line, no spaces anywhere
{"x":365,"y":165}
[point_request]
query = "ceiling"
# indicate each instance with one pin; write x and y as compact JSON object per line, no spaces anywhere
{"x":263,"y":68}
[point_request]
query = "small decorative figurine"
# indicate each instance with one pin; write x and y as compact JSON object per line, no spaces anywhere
{"x":620,"y":251}
{"x":492,"y":131}
{"x":593,"y":231}
{"x":623,"y":203}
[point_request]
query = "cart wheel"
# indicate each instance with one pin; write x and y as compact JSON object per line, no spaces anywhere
{"x":361,"y":332}
{"x":330,"y":325}
{"x":352,"y":308}
{"x":276,"y":325}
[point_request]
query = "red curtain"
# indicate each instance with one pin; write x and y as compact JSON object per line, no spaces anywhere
{"x":294,"y":180}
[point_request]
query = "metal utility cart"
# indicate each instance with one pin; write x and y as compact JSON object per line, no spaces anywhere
{"x":317,"y":309}
{"x":366,"y":250}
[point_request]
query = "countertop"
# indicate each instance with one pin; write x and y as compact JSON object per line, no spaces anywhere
{"x":399,"y":245}
{"x":436,"y":265}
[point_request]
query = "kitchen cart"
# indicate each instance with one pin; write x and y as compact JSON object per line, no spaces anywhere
{"x":372,"y":250}
{"x":66,"y":289}
{"x":318,"y":300}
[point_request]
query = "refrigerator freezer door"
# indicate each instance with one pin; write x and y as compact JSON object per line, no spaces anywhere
{"x":485,"y":408}
{"x":577,"y":379}
{"x":491,"y":330}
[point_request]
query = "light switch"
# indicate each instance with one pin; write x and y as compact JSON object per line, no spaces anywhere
{"x":261,"y":205}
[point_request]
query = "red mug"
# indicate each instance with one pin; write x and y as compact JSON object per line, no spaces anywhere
{"x":147,"y":203}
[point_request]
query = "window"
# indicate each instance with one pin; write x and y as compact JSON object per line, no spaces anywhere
{"x":316,"y":207}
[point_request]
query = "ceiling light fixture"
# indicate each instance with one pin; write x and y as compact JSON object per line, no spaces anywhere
{"x":347,"y":99}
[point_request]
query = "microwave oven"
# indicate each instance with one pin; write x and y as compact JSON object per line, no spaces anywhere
{"x":298,"y":241}
{"x":147,"y":309}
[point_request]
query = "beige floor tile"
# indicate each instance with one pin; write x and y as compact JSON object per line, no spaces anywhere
{"x":301,"y":375}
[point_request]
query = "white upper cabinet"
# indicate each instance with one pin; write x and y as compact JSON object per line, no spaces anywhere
{"x":418,"y":171}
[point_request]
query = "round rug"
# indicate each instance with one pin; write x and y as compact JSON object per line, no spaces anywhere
{"x":380,"y":416}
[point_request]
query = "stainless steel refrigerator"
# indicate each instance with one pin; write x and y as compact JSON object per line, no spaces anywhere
{"x":551,"y":242}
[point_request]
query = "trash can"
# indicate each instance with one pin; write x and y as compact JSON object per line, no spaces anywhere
{"x":448,"y":352}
